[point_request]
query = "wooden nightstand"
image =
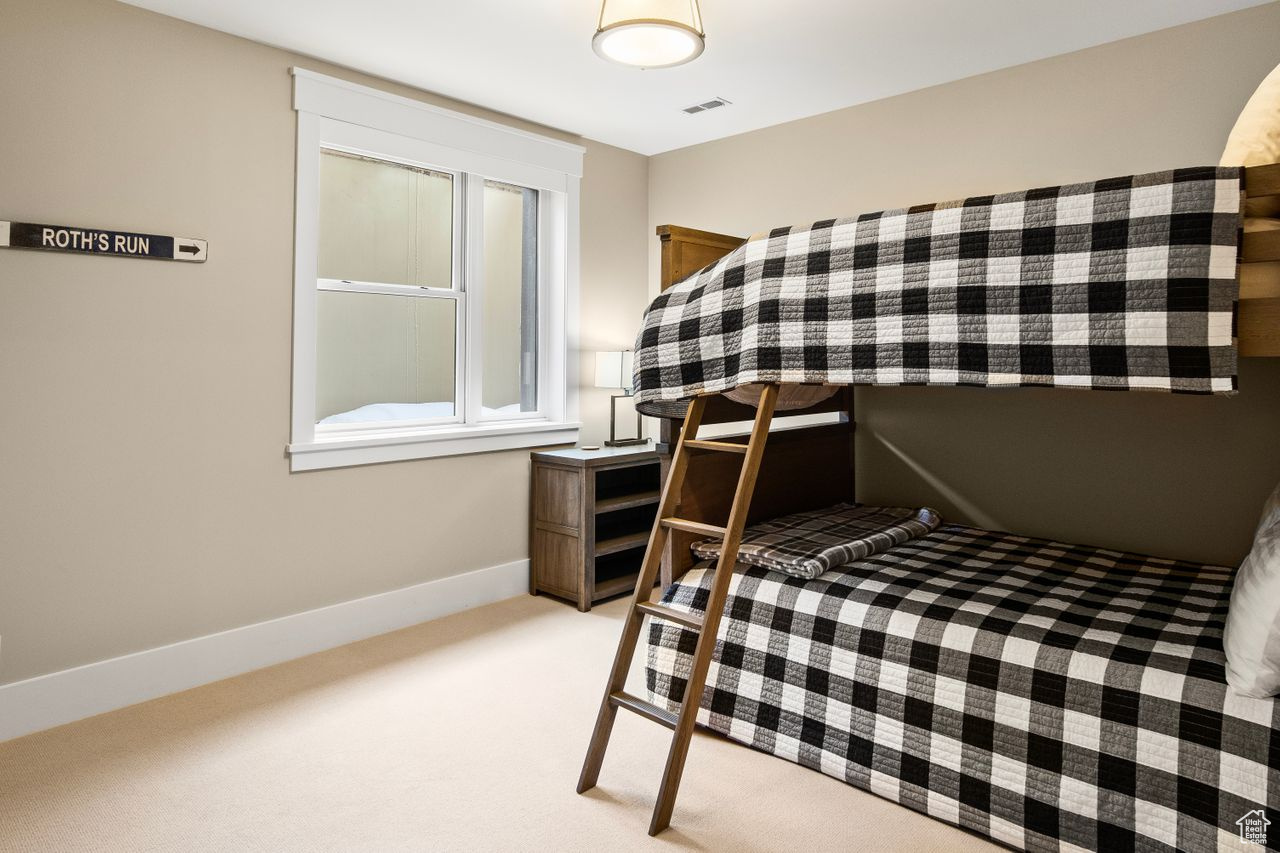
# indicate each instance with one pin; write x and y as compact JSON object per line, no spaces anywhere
{"x":591,"y":512}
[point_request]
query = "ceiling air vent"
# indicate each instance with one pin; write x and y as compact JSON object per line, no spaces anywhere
{"x":712,"y":104}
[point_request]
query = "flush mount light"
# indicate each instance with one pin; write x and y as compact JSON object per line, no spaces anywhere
{"x":649,"y":33}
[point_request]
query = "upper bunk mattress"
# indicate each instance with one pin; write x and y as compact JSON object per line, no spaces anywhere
{"x":1125,"y":283}
{"x":1049,"y":696}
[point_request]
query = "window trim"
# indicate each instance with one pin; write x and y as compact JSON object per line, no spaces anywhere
{"x":344,"y":116}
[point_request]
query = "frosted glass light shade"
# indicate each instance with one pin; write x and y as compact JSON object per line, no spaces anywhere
{"x":649,"y":33}
{"x":613,"y":369}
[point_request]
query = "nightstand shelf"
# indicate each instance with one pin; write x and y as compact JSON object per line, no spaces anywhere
{"x":627,"y":542}
{"x":616,"y":586}
{"x":591,"y":515}
{"x":628,"y":501}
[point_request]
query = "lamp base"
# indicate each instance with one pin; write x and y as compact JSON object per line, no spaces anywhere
{"x":626,"y":442}
{"x":614,"y":441}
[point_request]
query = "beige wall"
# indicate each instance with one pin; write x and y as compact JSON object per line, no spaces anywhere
{"x":1176,"y":476}
{"x":611,"y":296}
{"x":144,"y":406}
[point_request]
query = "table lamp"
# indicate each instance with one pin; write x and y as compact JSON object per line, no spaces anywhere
{"x":613,"y":370}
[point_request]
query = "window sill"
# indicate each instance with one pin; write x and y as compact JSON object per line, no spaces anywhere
{"x":394,"y":445}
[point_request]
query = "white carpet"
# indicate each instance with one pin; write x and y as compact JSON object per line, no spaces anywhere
{"x":466,"y":733}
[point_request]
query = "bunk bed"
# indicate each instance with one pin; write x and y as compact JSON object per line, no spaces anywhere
{"x":1045,"y":695}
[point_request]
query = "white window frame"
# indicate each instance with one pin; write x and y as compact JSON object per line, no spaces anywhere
{"x":343,"y":116}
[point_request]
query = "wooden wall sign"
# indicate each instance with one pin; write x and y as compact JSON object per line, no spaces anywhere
{"x":97,"y":241}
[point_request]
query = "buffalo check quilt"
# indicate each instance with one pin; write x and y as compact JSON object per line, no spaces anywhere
{"x":1048,"y":696}
{"x":1124,"y":283}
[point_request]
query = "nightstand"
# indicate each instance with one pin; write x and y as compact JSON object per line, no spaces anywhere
{"x":591,"y":513}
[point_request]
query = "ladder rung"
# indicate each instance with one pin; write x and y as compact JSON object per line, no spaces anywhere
{"x":648,"y":710}
{"x":694,"y":527}
{"x":688,"y":620}
{"x":723,"y":446}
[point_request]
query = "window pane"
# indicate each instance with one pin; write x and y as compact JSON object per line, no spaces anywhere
{"x":510,"y":309}
{"x":384,"y":358}
{"x":384,"y":222}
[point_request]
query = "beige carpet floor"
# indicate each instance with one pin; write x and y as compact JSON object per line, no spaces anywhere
{"x":465,"y":733}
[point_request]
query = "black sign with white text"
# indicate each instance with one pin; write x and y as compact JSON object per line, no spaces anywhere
{"x":98,"y":241}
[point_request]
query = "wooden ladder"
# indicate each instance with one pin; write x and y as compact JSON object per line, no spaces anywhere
{"x":615,"y":696}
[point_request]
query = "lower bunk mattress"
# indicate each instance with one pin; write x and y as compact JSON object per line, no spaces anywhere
{"x":1047,"y":696}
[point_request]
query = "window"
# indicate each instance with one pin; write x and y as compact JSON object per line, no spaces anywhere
{"x":435,"y":270}
{"x":389,"y":303}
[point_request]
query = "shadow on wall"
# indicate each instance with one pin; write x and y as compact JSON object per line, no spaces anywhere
{"x":948,"y":494}
{"x":1147,"y":472}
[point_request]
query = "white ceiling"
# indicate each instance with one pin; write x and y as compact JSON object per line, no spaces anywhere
{"x":775,"y":60}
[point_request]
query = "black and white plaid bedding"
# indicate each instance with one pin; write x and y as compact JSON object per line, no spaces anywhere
{"x":1049,"y":696}
{"x":1125,"y":283}
{"x":807,"y":544}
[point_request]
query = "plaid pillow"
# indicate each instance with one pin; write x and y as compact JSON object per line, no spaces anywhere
{"x":809,"y":543}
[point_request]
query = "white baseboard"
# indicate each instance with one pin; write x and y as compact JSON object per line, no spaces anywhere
{"x":73,"y":694}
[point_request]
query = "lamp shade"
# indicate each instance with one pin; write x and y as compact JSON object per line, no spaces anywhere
{"x":613,"y":369}
{"x":649,"y":33}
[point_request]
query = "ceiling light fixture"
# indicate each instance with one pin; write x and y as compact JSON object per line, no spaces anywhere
{"x":649,"y":33}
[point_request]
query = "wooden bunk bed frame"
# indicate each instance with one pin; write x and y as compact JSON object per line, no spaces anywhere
{"x":735,"y":480}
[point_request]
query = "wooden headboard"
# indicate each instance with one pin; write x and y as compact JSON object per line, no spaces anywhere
{"x":687,"y":250}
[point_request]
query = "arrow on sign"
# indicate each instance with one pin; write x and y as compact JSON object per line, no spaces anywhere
{"x":193,"y":250}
